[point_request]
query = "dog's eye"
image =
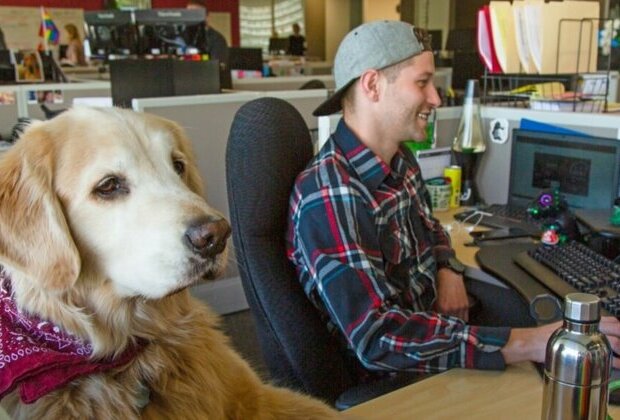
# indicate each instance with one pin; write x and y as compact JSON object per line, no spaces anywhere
{"x":179,"y":166}
{"x":110,"y":186}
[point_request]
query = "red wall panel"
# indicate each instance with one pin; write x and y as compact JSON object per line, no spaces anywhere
{"x":230,"y":6}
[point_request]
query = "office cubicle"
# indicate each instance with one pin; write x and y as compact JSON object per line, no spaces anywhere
{"x":280,"y":83}
{"x":9,"y":109}
{"x":207,"y":120}
{"x":27,"y":98}
{"x":67,"y":92}
{"x":494,"y":171}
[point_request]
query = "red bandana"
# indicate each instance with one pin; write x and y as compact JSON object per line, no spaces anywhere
{"x":37,"y":355}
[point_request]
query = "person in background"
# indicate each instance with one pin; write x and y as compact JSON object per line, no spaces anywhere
{"x":296,"y":41}
{"x":373,"y":260}
{"x":207,"y":39}
{"x":2,"y":41}
{"x":75,"y":48}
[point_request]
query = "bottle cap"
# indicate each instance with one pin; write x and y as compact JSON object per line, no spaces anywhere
{"x":582,"y":307}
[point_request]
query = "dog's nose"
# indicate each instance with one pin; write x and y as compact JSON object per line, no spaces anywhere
{"x":207,"y":237}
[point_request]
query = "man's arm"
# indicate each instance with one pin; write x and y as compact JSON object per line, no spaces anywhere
{"x":529,"y":344}
{"x":451,"y":294}
{"x":345,"y":268}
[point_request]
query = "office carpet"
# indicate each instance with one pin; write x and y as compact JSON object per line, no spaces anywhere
{"x":239,"y":326}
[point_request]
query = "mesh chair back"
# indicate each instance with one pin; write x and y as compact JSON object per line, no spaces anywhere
{"x":269,"y":144}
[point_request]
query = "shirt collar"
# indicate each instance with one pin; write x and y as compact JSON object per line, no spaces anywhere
{"x":370,"y":168}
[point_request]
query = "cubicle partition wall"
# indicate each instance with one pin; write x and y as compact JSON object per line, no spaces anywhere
{"x":494,"y":170}
{"x":262,"y":84}
{"x":207,"y":120}
{"x":9,"y":109}
{"x":65,"y":93}
{"x":56,"y":96}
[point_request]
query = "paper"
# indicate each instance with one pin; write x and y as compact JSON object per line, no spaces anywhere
{"x":520,"y":27}
{"x":485,"y":41}
{"x":562,"y":36}
{"x":504,"y":35}
{"x":532,"y":12}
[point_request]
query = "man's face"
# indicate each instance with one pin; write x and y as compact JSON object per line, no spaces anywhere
{"x":409,"y":100}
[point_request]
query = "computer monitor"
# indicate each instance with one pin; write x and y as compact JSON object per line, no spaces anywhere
{"x":278,"y":46}
{"x":110,"y":32}
{"x":245,"y":58}
{"x":585,"y":168}
{"x":52,"y":72}
{"x":436,"y":39}
{"x":165,"y":31}
{"x":7,"y":67}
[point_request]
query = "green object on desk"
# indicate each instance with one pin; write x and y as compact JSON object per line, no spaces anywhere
{"x":615,"y":216}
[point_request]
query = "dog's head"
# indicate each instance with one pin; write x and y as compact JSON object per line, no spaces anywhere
{"x":107,"y":194}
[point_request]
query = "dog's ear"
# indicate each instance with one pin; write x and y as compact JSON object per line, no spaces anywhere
{"x":34,"y":235}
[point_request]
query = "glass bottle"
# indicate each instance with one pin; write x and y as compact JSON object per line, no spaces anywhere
{"x":469,"y":143}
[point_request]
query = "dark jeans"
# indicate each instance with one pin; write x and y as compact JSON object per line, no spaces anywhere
{"x":497,"y":306}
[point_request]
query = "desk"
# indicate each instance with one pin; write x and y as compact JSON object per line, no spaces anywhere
{"x":515,"y":393}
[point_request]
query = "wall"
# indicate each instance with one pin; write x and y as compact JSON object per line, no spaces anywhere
{"x":337,"y":25}
{"x":433,"y":15}
{"x":315,"y":28}
{"x":384,"y":9}
{"x":227,"y":6}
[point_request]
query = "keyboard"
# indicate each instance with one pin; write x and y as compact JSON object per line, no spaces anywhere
{"x":573,"y":267}
{"x":500,"y":216}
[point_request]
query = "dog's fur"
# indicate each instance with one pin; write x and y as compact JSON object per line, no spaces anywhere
{"x":115,"y":269}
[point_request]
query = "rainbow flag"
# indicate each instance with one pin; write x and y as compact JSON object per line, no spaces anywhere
{"x":48,"y":29}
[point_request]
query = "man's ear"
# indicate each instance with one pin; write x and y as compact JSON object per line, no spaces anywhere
{"x":370,"y":83}
{"x":34,"y":235}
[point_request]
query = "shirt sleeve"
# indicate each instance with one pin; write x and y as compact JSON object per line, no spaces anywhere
{"x":336,"y":251}
{"x":442,"y":247}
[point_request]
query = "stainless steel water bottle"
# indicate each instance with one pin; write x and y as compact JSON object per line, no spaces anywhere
{"x":577,"y":363}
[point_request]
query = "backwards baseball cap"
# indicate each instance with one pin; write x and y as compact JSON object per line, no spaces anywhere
{"x":373,"y":45}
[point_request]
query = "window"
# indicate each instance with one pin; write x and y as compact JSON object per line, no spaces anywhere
{"x":259,"y":18}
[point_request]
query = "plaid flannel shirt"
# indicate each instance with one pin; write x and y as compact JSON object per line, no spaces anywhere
{"x":365,"y":246}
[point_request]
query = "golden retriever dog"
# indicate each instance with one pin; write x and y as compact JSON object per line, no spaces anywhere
{"x":102,"y":230}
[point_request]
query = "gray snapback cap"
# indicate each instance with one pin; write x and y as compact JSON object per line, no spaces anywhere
{"x":373,"y":45}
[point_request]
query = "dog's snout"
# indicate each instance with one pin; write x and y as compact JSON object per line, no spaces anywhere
{"x":207,"y":237}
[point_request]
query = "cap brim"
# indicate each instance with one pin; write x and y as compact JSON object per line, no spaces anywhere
{"x":333,"y":103}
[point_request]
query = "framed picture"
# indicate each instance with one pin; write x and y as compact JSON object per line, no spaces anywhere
{"x":28,"y":66}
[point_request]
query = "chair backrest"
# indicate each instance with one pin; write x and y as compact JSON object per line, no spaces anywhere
{"x":269,"y":144}
{"x":313,"y":84}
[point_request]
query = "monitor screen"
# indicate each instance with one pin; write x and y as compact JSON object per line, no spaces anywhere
{"x":110,"y":32}
{"x":245,"y":58}
{"x":278,"y":45}
{"x":585,"y":168}
{"x":7,"y":67}
{"x":436,"y":39}
{"x":165,"y":31}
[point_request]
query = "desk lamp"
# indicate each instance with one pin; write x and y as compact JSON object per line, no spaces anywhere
{"x":469,"y":143}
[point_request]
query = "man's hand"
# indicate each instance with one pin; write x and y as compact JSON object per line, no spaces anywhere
{"x":530,"y":343}
{"x":451,"y":294}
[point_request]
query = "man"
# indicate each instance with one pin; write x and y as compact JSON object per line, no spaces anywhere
{"x":366,"y":247}
{"x":207,"y":39}
{"x":2,"y":41}
{"x":296,"y":41}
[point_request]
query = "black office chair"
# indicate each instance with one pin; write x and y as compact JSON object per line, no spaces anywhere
{"x":268,"y":145}
{"x":313,"y":84}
